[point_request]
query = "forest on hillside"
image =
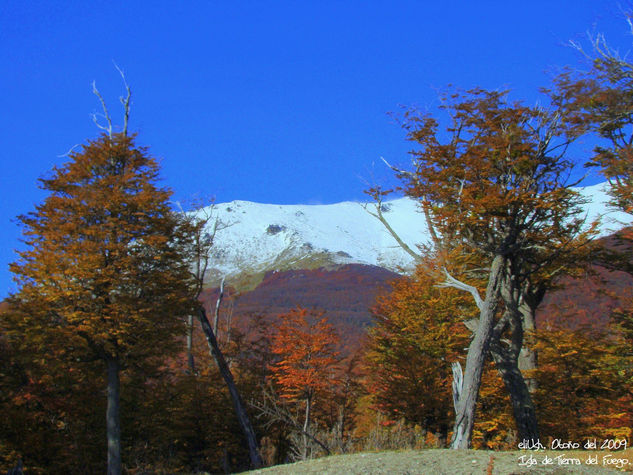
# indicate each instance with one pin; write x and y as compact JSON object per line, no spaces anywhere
{"x":112,"y":355}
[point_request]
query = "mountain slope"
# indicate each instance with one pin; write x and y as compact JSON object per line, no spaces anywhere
{"x":346,"y":294}
{"x":258,"y":238}
{"x":271,"y":269}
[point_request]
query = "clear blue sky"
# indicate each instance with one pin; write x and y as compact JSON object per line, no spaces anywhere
{"x":278,"y":102}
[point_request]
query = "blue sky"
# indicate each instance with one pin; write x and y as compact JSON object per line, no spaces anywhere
{"x":278,"y":102}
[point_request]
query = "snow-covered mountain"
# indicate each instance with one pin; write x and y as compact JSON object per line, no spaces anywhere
{"x":257,"y":238}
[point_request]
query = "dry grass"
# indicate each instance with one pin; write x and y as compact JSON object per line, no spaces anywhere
{"x":445,"y":461}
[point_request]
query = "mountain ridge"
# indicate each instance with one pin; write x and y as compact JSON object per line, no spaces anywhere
{"x":256,"y":238}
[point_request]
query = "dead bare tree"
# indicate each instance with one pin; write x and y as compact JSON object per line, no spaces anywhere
{"x":204,"y":225}
{"x":216,"y":316}
{"x":204,"y":228}
{"x":238,"y":403}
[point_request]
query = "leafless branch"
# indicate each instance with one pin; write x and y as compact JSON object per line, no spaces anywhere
{"x":378,"y":214}
{"x":458,"y":284}
{"x":125,"y":101}
{"x":275,"y":413}
{"x":67,"y":154}
{"x":106,"y":114}
{"x":399,"y":171}
{"x":217,"y":307}
{"x":425,"y":206}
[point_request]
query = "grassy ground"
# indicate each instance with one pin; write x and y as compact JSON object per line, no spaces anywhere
{"x":443,"y":461}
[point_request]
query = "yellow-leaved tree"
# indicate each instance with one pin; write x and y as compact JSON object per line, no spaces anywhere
{"x":103,"y":276}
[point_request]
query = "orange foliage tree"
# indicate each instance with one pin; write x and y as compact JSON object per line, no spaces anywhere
{"x":305,"y":344}
{"x":50,"y":420}
{"x":419,"y":330}
{"x":104,"y":276}
{"x":583,"y":390}
{"x":583,"y":377}
{"x":600,"y":100}
{"x":495,"y":184}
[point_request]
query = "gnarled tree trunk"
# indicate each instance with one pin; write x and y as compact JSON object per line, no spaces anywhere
{"x":511,"y":353}
{"x":476,"y":357}
{"x":506,"y":355}
{"x":528,"y":357}
{"x":522,"y":405}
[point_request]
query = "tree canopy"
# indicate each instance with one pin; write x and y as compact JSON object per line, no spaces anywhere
{"x":104,"y":276}
{"x":495,"y":184}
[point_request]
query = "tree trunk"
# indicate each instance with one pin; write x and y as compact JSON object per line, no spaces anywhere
{"x":528,"y":361}
{"x":510,"y":353}
{"x":475,"y":359}
{"x":528,"y":358}
{"x":306,"y":428}
{"x":216,"y":317}
{"x":113,"y":421}
{"x":240,"y":411}
{"x":190,"y":359}
{"x":520,"y":397}
{"x":342,"y":421}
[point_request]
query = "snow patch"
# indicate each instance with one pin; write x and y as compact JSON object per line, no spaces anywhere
{"x":344,"y":231}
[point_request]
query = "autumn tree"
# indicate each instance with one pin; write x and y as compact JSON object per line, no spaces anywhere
{"x":594,"y":368}
{"x":418,"y":331}
{"x":103,"y":276}
{"x":495,"y":184}
{"x":599,"y":100}
{"x":304,"y":344}
{"x":52,"y":407}
{"x":583,"y":389}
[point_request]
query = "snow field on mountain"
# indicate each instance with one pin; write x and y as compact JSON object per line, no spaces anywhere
{"x":258,"y":236}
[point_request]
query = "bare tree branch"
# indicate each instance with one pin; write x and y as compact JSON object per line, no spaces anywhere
{"x":276,"y":413}
{"x":67,"y":154}
{"x":125,"y":101}
{"x":217,"y":306}
{"x":106,"y":114}
{"x":378,"y":214}
{"x":425,"y":206}
{"x":458,"y":284}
